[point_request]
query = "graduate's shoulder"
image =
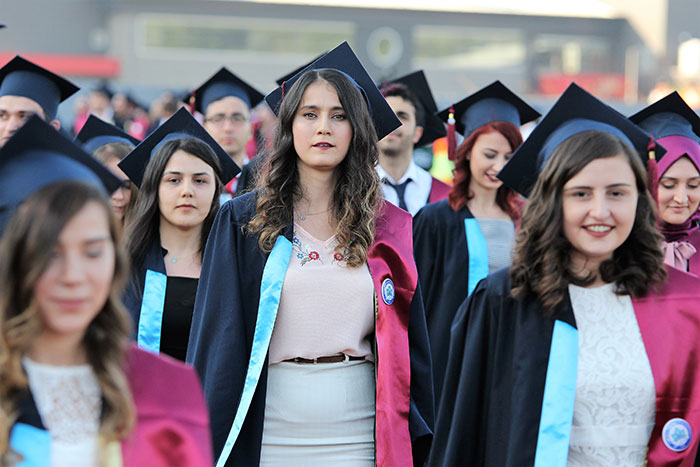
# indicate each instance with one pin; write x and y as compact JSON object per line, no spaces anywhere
{"x":680,"y":286}
{"x":241,"y":209}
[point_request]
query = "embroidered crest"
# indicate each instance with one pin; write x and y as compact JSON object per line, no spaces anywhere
{"x":388,"y":291}
{"x":677,"y":434}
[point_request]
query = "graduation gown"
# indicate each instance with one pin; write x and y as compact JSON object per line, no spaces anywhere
{"x":438,"y":191}
{"x":451,"y":258}
{"x":694,"y":261}
{"x":234,"y":316}
{"x":172,"y":424}
{"x":144,"y":299}
{"x":511,"y":377}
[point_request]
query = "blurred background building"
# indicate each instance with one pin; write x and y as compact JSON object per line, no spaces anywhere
{"x":620,"y":50}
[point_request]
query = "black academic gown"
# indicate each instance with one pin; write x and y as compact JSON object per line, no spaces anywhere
{"x":451,"y":258}
{"x":224,"y":345}
{"x":510,"y":384}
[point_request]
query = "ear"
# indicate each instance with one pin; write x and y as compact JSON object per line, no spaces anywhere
{"x":56,"y":124}
{"x":417,"y":134}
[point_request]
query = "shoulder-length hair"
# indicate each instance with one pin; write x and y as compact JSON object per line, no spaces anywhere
{"x":27,"y":248}
{"x":117,"y":151}
{"x":541,"y":258}
{"x":357,"y":190}
{"x":506,"y":198}
{"x":142,"y":225}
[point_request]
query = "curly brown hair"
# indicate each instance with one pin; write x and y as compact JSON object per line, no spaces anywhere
{"x":541,"y":258}
{"x":26,"y":249}
{"x":506,"y":198}
{"x":357,"y":190}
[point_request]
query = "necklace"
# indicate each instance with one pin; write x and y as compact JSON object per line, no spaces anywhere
{"x":302,"y":217}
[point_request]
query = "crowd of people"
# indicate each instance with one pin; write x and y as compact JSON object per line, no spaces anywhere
{"x":208,"y":290}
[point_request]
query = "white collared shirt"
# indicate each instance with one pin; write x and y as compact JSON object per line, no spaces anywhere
{"x":417,"y":190}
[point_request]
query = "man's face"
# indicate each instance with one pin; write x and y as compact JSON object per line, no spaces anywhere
{"x":15,"y":111}
{"x":401,"y":140}
{"x":228,"y":122}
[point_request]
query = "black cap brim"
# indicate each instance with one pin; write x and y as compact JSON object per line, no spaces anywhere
{"x":134,"y":164}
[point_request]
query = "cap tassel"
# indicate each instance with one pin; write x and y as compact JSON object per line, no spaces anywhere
{"x":192,"y":103}
{"x":451,"y":137}
{"x":653,"y":171}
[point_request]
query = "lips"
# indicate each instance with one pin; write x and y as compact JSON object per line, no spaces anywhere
{"x":185,"y":206}
{"x":70,"y":304}
{"x":323,"y":145}
{"x":598,"y":230}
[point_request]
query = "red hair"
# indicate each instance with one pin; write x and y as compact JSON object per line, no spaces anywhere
{"x":506,"y":198}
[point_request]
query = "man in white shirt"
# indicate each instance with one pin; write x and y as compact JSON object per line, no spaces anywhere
{"x":404,"y":183}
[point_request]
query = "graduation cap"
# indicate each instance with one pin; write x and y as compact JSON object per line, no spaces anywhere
{"x":103,"y":88}
{"x":291,"y":74}
{"x":675,"y":126}
{"x":222,"y":84}
{"x":96,"y":133}
{"x":180,"y":125}
{"x":494,"y":103}
{"x":37,"y":156}
{"x":574,"y":112}
{"x":343,"y":59}
{"x":417,"y":84}
{"x":20,"y":77}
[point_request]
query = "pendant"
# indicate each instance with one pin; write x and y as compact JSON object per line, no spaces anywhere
{"x":302,"y":217}
{"x":173,"y":260}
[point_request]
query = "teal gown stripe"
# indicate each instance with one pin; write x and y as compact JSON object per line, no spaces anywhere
{"x":270,"y":292}
{"x":32,"y":443}
{"x":559,"y":396}
{"x":478,"y":254}
{"x":151,"y":316}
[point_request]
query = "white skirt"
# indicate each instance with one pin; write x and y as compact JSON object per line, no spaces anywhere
{"x":319,"y":415}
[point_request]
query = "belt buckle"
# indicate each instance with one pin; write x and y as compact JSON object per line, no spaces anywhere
{"x":347,"y":358}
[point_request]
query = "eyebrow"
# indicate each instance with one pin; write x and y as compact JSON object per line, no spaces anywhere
{"x":496,"y":150}
{"x":676,"y":179}
{"x":92,"y":241}
{"x":314,"y":106}
{"x":584,"y":187}
{"x":174,"y":172}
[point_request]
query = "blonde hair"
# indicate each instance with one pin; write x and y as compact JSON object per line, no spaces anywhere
{"x":26,"y":249}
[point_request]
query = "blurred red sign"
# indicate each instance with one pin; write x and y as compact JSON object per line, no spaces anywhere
{"x":602,"y":85}
{"x":91,"y":66}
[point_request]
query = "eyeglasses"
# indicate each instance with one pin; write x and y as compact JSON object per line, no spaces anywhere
{"x":219,"y":119}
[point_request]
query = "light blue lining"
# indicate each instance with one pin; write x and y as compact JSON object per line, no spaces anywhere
{"x":559,"y":396}
{"x":151,"y":316}
{"x":34,"y":444}
{"x":270,"y":291}
{"x":478,"y":254}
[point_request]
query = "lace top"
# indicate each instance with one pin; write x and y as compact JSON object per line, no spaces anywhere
{"x":69,"y":401}
{"x":615,"y":396}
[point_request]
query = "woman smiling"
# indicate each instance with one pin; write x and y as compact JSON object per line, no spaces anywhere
{"x":566,"y":357}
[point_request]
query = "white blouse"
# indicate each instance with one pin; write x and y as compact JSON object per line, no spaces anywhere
{"x":69,"y":401}
{"x":614,"y":409}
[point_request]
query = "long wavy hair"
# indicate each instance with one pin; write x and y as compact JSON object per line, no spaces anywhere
{"x":460,"y":194}
{"x":118,"y":151}
{"x":357,"y":190}
{"x":541,"y":261}
{"x":142,"y":225}
{"x":27,"y":248}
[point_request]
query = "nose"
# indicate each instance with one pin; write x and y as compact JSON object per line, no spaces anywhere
{"x":324,"y":127}
{"x":73,"y":268}
{"x":14,"y":124}
{"x":600,"y":210}
{"x":499,"y":163}
{"x":118,"y":194}
{"x":186,"y":188}
{"x":680,"y":194}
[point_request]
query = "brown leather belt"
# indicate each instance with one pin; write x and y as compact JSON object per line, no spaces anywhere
{"x":331,"y":359}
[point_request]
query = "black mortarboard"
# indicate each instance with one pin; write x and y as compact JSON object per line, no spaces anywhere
{"x":20,"y":77}
{"x":38,"y":155}
{"x":675,"y":126}
{"x":223,"y":84}
{"x":97,"y":132}
{"x":103,"y":88}
{"x":291,"y":74}
{"x":343,"y":59}
{"x":574,"y":112}
{"x":181,"y":125}
{"x":417,"y":84}
{"x":494,"y":103}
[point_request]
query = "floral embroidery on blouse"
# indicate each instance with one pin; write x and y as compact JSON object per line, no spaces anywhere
{"x":304,"y":252}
